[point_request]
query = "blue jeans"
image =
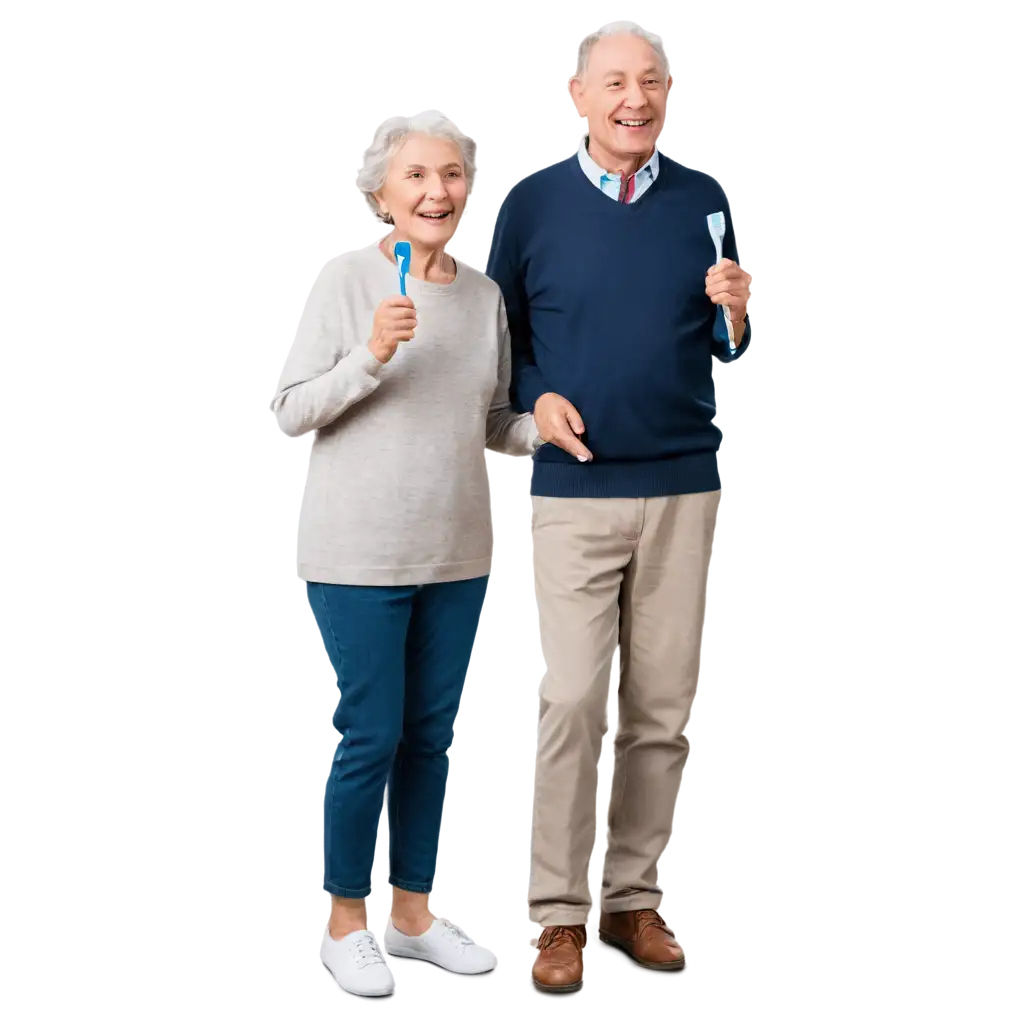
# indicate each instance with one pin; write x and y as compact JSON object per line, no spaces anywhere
{"x":401,"y":655}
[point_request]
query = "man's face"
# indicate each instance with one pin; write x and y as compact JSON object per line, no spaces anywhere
{"x":623,"y":97}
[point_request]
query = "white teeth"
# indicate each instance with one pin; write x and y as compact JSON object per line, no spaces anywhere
{"x":633,"y":124}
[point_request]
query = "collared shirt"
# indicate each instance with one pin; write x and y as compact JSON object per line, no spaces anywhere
{"x":609,"y":184}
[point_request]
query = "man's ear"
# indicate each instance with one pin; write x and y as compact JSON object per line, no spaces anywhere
{"x":668,"y":85}
{"x":576,"y":92}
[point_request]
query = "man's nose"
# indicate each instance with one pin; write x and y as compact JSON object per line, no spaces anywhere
{"x":635,"y":95}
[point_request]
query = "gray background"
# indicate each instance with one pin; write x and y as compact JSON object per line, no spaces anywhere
{"x":168,"y":180}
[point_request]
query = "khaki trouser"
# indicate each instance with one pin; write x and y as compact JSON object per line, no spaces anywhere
{"x":628,"y":572}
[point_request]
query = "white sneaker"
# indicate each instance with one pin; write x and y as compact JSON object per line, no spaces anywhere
{"x":357,"y":965}
{"x":444,"y":944}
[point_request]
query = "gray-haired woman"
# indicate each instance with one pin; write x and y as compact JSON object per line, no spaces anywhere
{"x":404,"y":392}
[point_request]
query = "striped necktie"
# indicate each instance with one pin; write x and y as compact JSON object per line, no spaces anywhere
{"x":627,"y":186}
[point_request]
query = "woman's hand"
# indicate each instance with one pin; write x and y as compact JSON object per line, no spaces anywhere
{"x":393,"y":323}
{"x":559,"y":423}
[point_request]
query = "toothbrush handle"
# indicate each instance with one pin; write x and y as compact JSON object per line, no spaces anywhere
{"x":725,"y":309}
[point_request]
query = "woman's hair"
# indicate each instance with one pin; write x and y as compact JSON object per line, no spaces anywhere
{"x":390,"y":136}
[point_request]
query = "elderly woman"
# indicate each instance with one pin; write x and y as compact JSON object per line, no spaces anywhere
{"x":404,"y":392}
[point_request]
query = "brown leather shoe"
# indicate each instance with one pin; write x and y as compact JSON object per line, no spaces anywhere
{"x":643,"y":935}
{"x":559,"y":963}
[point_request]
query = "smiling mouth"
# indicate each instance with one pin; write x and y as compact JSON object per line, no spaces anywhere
{"x":633,"y":122}
{"x":442,"y":215}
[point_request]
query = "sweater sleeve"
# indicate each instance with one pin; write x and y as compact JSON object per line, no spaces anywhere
{"x":504,"y":266}
{"x":508,"y":432}
{"x":324,"y":373}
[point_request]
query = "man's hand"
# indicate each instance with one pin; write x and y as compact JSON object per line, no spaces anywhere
{"x":559,"y":423}
{"x":728,"y":284}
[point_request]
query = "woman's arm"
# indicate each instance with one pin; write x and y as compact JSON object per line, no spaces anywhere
{"x":508,"y":432}
{"x":321,"y":377}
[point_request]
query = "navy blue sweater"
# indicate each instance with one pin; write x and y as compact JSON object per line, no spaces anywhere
{"x":606,"y":307}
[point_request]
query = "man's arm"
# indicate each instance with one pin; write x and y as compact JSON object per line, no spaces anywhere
{"x":557,"y":420}
{"x":505,"y":269}
{"x":728,"y":286}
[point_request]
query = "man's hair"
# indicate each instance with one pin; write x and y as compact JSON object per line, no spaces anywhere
{"x":618,"y":28}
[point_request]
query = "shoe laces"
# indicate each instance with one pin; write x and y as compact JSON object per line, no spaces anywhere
{"x":651,"y":919}
{"x":560,"y":934}
{"x":453,"y":933}
{"x":367,"y":951}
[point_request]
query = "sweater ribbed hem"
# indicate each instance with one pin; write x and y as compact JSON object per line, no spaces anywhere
{"x":402,"y":576}
{"x":686,"y":474}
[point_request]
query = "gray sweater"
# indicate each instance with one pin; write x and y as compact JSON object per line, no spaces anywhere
{"x":397,"y":487}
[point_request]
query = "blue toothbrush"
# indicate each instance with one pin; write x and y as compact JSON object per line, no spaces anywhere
{"x":403,"y":253}
{"x":716,"y":225}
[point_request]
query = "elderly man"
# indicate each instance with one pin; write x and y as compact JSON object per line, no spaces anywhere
{"x":617,"y":299}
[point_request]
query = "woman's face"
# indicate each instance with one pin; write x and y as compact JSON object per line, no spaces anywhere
{"x":425,"y":190}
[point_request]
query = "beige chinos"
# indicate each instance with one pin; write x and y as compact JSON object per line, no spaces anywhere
{"x":614,"y":571}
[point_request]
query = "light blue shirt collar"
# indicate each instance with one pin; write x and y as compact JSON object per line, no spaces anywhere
{"x":609,"y":183}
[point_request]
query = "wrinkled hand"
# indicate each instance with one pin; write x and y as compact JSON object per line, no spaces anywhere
{"x":728,"y":284}
{"x":559,"y":423}
{"x":393,"y":322}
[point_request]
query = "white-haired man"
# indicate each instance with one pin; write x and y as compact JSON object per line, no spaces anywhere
{"x":617,"y":302}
